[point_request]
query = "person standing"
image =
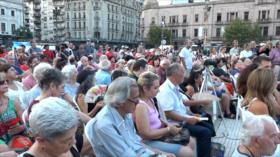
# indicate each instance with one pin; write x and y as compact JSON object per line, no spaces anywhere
{"x":186,"y":57}
{"x":274,"y":55}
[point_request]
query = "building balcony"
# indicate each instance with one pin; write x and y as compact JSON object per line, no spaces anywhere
{"x":96,"y":8}
{"x":37,"y":8}
{"x":176,"y":24}
{"x":37,"y":22}
{"x":216,"y":38}
{"x":37,"y":1}
{"x":36,"y":15}
{"x":219,"y":23}
{"x":268,"y":20}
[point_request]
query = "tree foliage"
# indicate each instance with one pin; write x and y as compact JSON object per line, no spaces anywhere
{"x":156,"y":34}
{"x":242,"y":31}
{"x":24,"y":33}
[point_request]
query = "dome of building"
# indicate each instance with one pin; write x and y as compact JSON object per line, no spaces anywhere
{"x":150,"y":4}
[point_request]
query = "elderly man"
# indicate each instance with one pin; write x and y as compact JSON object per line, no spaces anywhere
{"x":259,"y":137}
{"x":186,"y":57}
{"x":161,"y":71}
{"x":171,"y":101}
{"x":274,"y":55}
{"x":112,"y":132}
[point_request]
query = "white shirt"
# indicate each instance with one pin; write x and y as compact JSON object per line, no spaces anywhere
{"x":245,"y":54}
{"x":187,"y":55}
{"x":170,"y":98}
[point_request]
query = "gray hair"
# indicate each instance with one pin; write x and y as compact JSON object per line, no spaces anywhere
{"x":172,"y":69}
{"x":68,"y":71}
{"x":39,"y":70}
{"x":119,"y":91}
{"x":254,"y":126}
{"x":52,"y":117}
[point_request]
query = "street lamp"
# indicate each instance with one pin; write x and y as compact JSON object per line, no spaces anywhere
{"x":163,"y":42}
{"x":206,"y":9}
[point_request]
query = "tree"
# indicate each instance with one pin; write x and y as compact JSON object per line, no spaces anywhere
{"x":242,"y":31}
{"x":23,"y":33}
{"x":156,"y":34}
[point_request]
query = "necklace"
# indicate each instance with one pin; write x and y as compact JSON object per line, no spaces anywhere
{"x":251,"y":153}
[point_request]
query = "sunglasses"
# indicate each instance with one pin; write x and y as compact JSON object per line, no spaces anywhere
{"x":3,"y":82}
{"x":135,"y":102}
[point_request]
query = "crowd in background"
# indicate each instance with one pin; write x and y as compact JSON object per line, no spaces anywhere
{"x":99,"y":101}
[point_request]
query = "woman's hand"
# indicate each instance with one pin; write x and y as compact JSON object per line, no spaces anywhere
{"x":174,"y":130}
{"x":16,"y":129}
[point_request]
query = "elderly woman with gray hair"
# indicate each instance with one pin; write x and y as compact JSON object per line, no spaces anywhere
{"x":112,"y":132}
{"x":53,"y":127}
{"x":259,"y":136}
{"x":71,"y":85}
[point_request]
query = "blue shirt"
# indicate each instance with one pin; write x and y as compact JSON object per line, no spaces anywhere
{"x":102,"y":77}
{"x":70,"y":89}
{"x":112,"y":135}
{"x":29,"y":96}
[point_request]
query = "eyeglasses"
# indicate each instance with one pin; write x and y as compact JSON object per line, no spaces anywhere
{"x":3,"y":82}
{"x":135,"y":102}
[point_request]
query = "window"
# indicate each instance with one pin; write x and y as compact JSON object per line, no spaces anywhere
{"x":246,"y":15}
{"x":79,"y":25}
{"x":195,"y":32}
{"x":174,"y":33}
{"x":3,"y":27}
{"x":218,"y":32}
{"x":278,"y":14}
{"x":196,"y":18}
{"x":13,"y":27}
{"x":2,"y":12}
{"x":153,"y":20}
{"x":277,"y":31}
{"x":163,"y":19}
{"x":219,"y":17}
{"x":184,"y":33}
{"x":12,"y":13}
{"x":265,"y":31}
{"x":184,"y":18}
{"x":67,"y":25}
{"x":75,"y":16}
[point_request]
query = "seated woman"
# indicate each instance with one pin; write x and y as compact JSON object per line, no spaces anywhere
{"x":194,"y":83}
{"x":10,"y":115}
{"x":149,"y":125}
{"x":70,"y":72}
{"x":259,"y":98}
{"x":53,"y":123}
{"x":111,"y":132}
{"x":15,"y":88}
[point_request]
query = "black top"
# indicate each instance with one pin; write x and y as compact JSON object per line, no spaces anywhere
{"x":73,"y":151}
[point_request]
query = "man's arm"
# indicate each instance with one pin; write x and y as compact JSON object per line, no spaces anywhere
{"x":176,"y":117}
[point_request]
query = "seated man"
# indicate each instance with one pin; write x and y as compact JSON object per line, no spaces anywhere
{"x":260,"y":137}
{"x":171,"y":101}
{"x":112,"y":132}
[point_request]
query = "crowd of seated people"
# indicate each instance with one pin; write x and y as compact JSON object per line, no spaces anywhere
{"x":130,"y":102}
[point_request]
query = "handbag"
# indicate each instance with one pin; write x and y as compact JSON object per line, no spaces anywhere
{"x":20,"y":143}
{"x":183,"y":137}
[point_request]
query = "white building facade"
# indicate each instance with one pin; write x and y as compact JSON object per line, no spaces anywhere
{"x":208,"y":19}
{"x":11,"y":17}
{"x":103,"y":20}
